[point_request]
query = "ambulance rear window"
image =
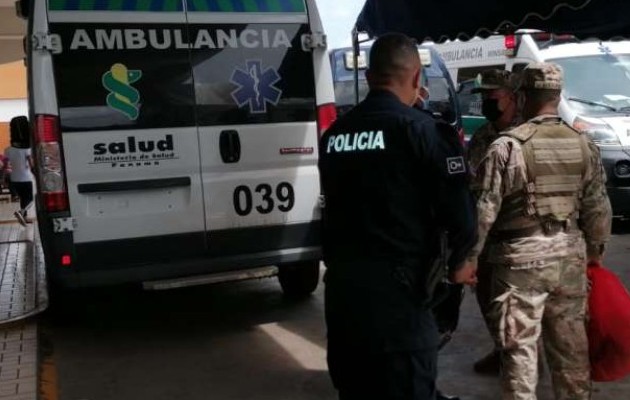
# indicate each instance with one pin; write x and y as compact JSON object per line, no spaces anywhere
{"x":123,"y":76}
{"x":269,"y":80}
{"x":143,"y":76}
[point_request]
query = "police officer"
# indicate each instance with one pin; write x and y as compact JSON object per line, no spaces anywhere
{"x":391,"y":176}
{"x":543,"y":201}
{"x":498,"y":106}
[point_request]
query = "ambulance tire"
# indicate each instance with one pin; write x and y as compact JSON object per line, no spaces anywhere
{"x":300,"y":279}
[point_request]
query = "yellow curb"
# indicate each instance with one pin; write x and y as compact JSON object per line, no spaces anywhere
{"x":48,"y":383}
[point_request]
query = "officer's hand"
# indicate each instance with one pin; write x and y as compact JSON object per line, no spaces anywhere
{"x":466,"y":274}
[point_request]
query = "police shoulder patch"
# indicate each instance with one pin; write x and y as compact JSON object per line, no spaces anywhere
{"x":456,"y":165}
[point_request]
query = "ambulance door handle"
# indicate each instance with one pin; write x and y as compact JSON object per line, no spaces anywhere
{"x":230,"y":146}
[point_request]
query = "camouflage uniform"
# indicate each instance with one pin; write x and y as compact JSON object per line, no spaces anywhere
{"x":476,"y":150}
{"x":542,"y":197}
{"x":479,"y":144}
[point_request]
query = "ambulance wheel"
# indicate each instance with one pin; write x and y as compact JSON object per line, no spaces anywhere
{"x":299,"y":279}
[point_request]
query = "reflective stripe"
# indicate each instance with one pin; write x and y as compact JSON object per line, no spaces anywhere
{"x":118,"y":17}
{"x":247,"y":6}
{"x":116,"y":5}
{"x":246,"y":18}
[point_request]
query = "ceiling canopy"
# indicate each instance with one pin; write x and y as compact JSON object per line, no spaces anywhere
{"x":441,"y":20}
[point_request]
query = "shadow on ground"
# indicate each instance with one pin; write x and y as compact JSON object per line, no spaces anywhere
{"x":229,"y":341}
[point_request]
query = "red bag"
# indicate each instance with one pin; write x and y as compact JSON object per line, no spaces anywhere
{"x":608,"y":326}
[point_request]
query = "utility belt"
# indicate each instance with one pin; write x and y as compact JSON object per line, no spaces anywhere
{"x":546,"y":228}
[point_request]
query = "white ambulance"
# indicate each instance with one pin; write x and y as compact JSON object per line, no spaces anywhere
{"x":595,"y":99}
{"x":176,"y":140}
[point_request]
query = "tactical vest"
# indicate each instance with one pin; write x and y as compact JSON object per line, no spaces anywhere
{"x":556,"y":158}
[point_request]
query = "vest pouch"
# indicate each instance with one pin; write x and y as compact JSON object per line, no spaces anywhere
{"x":556,"y":162}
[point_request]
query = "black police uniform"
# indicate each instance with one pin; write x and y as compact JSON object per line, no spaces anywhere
{"x":447,"y":297}
{"x":392,"y":177}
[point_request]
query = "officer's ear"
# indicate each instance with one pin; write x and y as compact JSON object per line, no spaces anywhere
{"x":373,"y":79}
{"x":369,"y":76}
{"x":417,"y":76}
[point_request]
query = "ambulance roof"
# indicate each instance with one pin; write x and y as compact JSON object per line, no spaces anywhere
{"x":589,"y":48}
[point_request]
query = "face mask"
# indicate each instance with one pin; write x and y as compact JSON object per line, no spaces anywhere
{"x":490,"y":109}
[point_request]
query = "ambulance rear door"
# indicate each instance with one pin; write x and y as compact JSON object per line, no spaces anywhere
{"x":126,"y":106}
{"x":256,"y":111}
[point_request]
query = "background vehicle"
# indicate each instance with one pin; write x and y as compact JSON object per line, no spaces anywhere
{"x":442,"y":100}
{"x":595,"y":99}
{"x":172,"y":144}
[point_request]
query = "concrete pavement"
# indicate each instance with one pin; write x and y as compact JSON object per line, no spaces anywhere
{"x":230,"y":330}
{"x":22,"y":295}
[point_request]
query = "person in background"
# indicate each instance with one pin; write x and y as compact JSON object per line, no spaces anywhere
{"x":19,"y":155}
{"x":498,"y":106}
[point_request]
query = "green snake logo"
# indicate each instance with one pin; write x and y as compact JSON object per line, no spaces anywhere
{"x":122,"y":97}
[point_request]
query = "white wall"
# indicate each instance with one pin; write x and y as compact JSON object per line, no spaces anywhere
{"x":12,"y":108}
{"x":12,"y":29}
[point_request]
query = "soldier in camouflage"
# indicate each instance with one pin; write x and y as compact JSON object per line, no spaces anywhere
{"x":499,"y":107}
{"x":544,"y":212}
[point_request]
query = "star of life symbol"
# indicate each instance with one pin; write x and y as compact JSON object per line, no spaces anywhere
{"x":256,"y":87}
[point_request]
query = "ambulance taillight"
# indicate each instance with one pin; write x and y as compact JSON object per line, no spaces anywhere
{"x":511,"y":44}
{"x":326,"y":115}
{"x":49,"y":164}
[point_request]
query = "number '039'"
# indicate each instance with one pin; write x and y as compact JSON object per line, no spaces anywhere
{"x":263,"y":198}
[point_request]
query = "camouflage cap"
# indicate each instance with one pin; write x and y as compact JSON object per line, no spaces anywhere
{"x":492,"y":79}
{"x":541,"y":76}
